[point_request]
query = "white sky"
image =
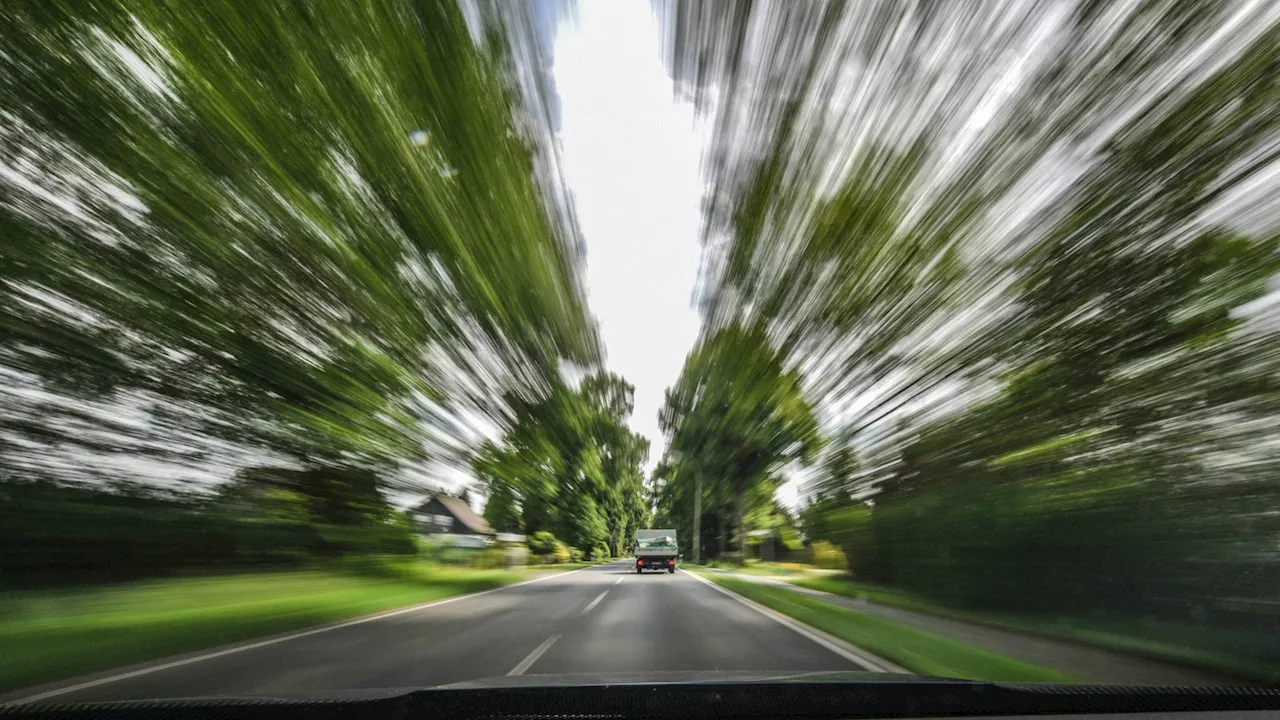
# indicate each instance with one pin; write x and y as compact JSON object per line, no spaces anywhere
{"x":631,"y":156}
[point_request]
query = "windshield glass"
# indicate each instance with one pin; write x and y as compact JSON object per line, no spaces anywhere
{"x":385,"y":329}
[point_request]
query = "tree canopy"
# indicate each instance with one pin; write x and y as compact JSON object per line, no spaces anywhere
{"x":1023,"y":257}
{"x":309,"y":251}
{"x":735,"y":418}
{"x":569,"y":464}
{"x":328,"y":233}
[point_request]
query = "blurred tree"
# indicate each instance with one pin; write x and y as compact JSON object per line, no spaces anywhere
{"x":285,"y":226}
{"x":1027,"y":287}
{"x":338,"y":497}
{"x":501,"y":509}
{"x":571,"y":465}
{"x":737,"y":416}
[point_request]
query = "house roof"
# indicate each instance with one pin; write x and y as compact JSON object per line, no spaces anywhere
{"x":463,"y":514}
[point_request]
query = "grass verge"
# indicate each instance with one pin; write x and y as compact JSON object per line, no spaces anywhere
{"x":769,"y":569}
{"x":1161,"y":641}
{"x":51,"y":634}
{"x":563,"y":566}
{"x":918,"y":651}
{"x":764,"y":569}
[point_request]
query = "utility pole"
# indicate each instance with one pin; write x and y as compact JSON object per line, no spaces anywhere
{"x":697,"y":516}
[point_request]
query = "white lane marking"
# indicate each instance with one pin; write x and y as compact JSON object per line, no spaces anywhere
{"x":272,"y":641}
{"x":532,"y":658}
{"x":615,"y":582}
{"x":595,"y":602}
{"x":844,"y":649}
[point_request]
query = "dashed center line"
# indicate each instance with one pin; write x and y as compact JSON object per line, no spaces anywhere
{"x":615,"y":582}
{"x":595,"y":602}
{"x":532,"y":658}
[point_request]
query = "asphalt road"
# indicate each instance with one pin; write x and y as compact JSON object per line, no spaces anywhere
{"x":602,"y":619}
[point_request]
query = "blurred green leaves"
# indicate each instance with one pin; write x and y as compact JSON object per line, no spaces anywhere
{"x":570,"y":465}
{"x":1021,"y":254}
{"x":219,"y":211}
{"x":735,"y":418}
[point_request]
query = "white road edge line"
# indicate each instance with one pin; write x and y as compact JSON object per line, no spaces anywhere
{"x":264,"y":643}
{"x":843,"y":648}
{"x":532,"y":658}
{"x":595,"y":602}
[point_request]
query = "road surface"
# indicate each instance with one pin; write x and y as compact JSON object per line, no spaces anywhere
{"x":601,"y":619}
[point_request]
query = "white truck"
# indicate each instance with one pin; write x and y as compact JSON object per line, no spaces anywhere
{"x":656,"y":550}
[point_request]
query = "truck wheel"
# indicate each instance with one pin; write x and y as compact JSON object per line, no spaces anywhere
{"x":637,"y":571}
{"x":671,"y":570}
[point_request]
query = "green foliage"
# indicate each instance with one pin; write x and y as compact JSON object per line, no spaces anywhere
{"x":576,"y":555}
{"x":236,"y":230}
{"x":501,"y":510}
{"x":730,"y":559}
{"x":582,"y":520}
{"x":600,"y":552}
{"x":551,"y":550}
{"x":560,"y":553}
{"x":848,"y":525}
{"x":827,"y":556}
{"x":735,"y":417}
{"x":222,"y":228}
{"x":489,"y":558}
{"x":1035,"y":309}
{"x":542,"y":543}
{"x":568,"y":464}
{"x":331,"y":496}
{"x":72,"y":534}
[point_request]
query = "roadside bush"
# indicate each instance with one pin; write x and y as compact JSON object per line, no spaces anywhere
{"x":732,"y":558}
{"x":599,"y":552}
{"x":52,"y":534}
{"x":575,"y":555}
{"x":438,"y":550}
{"x":385,"y":566}
{"x":828,"y":556}
{"x":421,"y":546}
{"x":542,"y":543}
{"x":494,"y":557}
{"x":432,"y":549}
{"x":561,"y":553}
{"x":381,"y":538}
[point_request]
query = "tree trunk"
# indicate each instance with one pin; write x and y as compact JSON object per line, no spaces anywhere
{"x":740,"y":513}
{"x":697,"y":519}
{"x":720,"y":532}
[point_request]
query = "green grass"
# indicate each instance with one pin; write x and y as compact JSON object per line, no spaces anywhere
{"x":918,"y":651}
{"x":769,"y":569}
{"x":872,"y":593}
{"x":52,"y":634}
{"x":1174,"y":643}
{"x":562,"y":566}
{"x":764,"y":569}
